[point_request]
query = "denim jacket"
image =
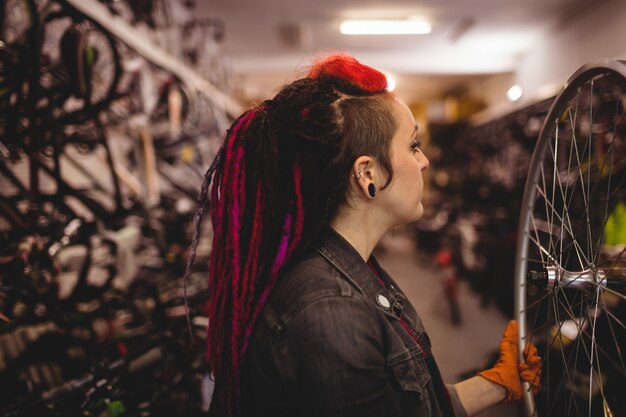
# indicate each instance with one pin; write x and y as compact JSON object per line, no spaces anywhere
{"x":330,"y":343}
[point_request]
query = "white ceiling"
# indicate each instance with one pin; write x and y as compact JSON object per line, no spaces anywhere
{"x":267,"y":41}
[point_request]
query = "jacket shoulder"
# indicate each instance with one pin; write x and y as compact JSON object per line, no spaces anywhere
{"x":303,"y":284}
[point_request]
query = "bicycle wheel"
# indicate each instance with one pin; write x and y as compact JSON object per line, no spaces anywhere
{"x":81,"y":65}
{"x":571,"y":262}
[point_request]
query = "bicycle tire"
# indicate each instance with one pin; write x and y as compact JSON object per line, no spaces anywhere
{"x":569,"y":274}
{"x":81,"y":64}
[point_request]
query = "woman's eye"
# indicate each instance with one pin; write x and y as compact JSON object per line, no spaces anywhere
{"x":415,"y":146}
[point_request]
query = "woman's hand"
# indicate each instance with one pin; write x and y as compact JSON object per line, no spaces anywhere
{"x":502,"y":382}
{"x":508,"y":372}
{"x":530,"y":369}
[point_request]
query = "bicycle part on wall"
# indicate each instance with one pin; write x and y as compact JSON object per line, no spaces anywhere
{"x":570,"y":262}
{"x":88,"y":66}
{"x":136,"y":40}
{"x":90,"y":257}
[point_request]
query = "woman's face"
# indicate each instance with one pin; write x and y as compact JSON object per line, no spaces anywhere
{"x":402,"y":199}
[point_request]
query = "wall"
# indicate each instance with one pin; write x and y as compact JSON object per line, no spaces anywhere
{"x":596,"y":32}
{"x":592,"y":33}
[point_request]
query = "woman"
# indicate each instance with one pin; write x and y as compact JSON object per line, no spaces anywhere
{"x":303,"y":320}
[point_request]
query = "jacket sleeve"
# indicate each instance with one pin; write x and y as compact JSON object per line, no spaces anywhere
{"x":334,"y":360}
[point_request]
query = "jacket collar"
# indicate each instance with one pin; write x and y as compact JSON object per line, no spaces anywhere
{"x":343,"y":256}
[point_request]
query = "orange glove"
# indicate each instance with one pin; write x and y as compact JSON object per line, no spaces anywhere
{"x":530,"y":370}
{"x":507,"y":371}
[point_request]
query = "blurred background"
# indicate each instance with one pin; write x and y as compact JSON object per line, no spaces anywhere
{"x":112,"y":110}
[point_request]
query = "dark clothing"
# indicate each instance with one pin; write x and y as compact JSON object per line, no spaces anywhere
{"x":334,"y":341}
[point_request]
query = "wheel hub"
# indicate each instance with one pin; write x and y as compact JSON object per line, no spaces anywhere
{"x":553,"y":277}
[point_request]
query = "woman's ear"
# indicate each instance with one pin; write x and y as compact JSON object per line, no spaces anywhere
{"x":364,"y":174}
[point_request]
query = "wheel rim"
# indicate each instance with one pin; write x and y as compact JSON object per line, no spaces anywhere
{"x":571,"y":254}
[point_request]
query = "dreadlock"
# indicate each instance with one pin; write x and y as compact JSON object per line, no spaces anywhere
{"x":281,"y":174}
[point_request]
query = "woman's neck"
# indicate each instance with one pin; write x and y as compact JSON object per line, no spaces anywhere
{"x":361,"y":229}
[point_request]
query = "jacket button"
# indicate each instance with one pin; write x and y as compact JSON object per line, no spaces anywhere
{"x":383,"y":301}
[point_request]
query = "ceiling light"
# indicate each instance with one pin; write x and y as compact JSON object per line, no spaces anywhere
{"x":385,"y":27}
{"x":514,"y":93}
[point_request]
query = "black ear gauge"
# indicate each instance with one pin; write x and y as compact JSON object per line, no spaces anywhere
{"x":371,"y":190}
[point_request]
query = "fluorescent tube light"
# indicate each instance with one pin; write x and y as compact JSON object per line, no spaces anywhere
{"x":384,"y":27}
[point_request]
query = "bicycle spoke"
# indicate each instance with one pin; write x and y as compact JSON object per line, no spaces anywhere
{"x":610,"y":315}
{"x":622,"y":325}
{"x":587,"y":202}
{"x":582,"y":331}
{"x":579,"y":250}
{"x":543,"y":179}
{"x":543,"y":297}
{"x":537,"y":238}
{"x":593,"y":347}
{"x":555,"y":174}
{"x":542,"y":249}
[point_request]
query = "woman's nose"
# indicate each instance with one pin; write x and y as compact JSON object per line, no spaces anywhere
{"x":424,"y":162}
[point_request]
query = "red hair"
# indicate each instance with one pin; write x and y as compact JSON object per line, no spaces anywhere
{"x":351,"y":72}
